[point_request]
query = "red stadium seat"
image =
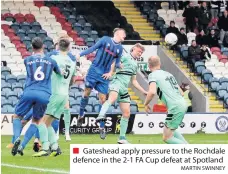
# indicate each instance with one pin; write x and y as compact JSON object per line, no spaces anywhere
{"x":30,"y":18}
{"x":217,"y":53}
{"x":10,"y":33}
{"x":39,"y":3}
{"x":19,"y":17}
{"x":56,"y":13}
{"x":5,"y":27}
{"x":25,"y":54}
{"x":215,"y":49}
{"x":20,"y":46}
{"x":73,"y":34}
{"x":15,"y":42}
{"x":67,"y":28}
{"x":15,"y":38}
{"x":54,"y":9}
{"x":21,"y":50}
{"x":7,"y":15}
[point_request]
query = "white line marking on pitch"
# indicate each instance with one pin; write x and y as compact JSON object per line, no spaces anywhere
{"x":35,"y":168}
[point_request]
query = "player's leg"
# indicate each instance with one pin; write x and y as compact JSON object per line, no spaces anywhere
{"x":170,"y":134}
{"x":28,"y":135}
{"x":22,"y":108}
{"x":90,"y":82}
{"x":84,"y":102}
{"x":24,"y":121}
{"x":55,"y":125}
{"x":125,"y":108}
{"x":67,"y":117}
{"x":55,"y":150}
{"x":47,"y":134}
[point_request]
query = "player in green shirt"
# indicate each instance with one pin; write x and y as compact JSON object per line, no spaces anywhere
{"x":165,"y":85}
{"x":58,"y":99}
{"x":118,"y":90}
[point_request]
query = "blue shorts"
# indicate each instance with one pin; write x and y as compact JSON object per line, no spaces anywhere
{"x":28,"y":116}
{"x":35,"y":99}
{"x":93,"y":80}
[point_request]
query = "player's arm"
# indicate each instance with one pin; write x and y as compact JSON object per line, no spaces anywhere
{"x":137,"y":85}
{"x":151,"y":93}
{"x":56,"y":68}
{"x":110,"y":73}
{"x":92,"y":49}
{"x":181,"y":92}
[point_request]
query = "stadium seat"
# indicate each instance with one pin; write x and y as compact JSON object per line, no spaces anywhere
{"x":42,"y":34}
{"x":10,"y":109}
{"x":213,"y":84}
{"x":199,"y":67}
{"x":21,"y":33}
{"x":226,"y":100}
{"x":71,"y":19}
{"x":206,"y":75}
{"x":21,"y":79}
{"x":4,"y":110}
{"x":81,"y":20}
{"x":71,"y":96}
{"x":15,"y":26}
{"x":221,"y":91}
{"x":12,"y":96}
{"x":36,"y":26}
{"x":94,"y":34}
{"x":5,"y":71}
{"x":134,"y":109}
{"x":25,"y":26}
{"x":89,"y":42}
{"x":89,"y":108}
{"x":77,"y":27}
{"x":11,"y":78}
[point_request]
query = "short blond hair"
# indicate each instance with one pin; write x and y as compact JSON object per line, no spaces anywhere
{"x":138,"y":45}
{"x":154,"y":61}
{"x":118,"y":29}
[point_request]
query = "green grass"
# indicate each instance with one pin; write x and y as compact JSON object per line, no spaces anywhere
{"x":62,"y":162}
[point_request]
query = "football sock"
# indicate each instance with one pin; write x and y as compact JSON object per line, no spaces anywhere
{"x":104,"y":109}
{"x":43,"y":131}
{"x":29,"y":134}
{"x":84,"y":102}
{"x":67,"y":120}
{"x":17,"y":127}
{"x":179,"y":136}
{"x":123,"y":126}
{"x":55,"y":125}
{"x":13,"y":139}
{"x":174,"y":140}
{"x":52,"y":138}
{"x":37,"y":135}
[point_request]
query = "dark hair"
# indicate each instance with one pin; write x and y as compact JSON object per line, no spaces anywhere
{"x":172,"y":22}
{"x":37,"y":43}
{"x":182,"y":29}
{"x":193,"y":41}
{"x":64,"y":44}
{"x":183,"y":86}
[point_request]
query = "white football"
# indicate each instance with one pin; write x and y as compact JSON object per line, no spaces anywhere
{"x":171,"y":39}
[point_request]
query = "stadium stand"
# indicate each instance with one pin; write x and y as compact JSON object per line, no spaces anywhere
{"x":86,"y":22}
{"x":21,"y":22}
{"x":210,"y":71}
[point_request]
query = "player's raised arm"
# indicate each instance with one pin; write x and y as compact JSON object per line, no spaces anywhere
{"x":137,"y":85}
{"x":93,"y":48}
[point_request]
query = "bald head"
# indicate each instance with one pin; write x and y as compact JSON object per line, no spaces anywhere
{"x":154,"y":62}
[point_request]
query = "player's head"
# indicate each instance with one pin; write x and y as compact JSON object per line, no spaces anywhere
{"x":154,"y":63}
{"x":64,"y":44}
{"x":57,"y":43}
{"x":37,"y":44}
{"x":119,"y":34}
{"x":137,"y":50}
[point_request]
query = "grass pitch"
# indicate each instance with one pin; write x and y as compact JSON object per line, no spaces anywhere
{"x":29,"y":165}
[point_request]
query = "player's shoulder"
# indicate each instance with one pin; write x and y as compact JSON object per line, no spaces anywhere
{"x":54,"y":52}
{"x":71,"y":56}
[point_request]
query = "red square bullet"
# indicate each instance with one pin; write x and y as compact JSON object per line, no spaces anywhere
{"x":75,"y":150}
